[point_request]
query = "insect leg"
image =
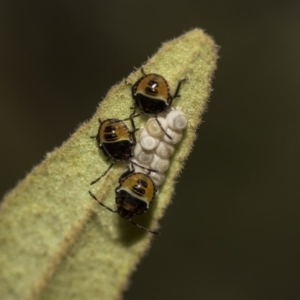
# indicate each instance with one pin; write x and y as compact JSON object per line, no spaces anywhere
{"x":162,"y":128}
{"x":97,"y":179}
{"x":144,"y":228}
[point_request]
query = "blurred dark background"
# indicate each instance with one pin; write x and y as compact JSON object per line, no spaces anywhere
{"x":232,"y":231}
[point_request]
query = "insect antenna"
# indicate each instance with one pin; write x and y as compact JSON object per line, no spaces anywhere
{"x":93,"y":136}
{"x":108,"y":208}
{"x":177,"y":89}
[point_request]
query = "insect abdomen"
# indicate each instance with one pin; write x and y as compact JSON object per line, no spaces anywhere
{"x":119,"y":150}
{"x":129,"y":205}
{"x":149,"y":105}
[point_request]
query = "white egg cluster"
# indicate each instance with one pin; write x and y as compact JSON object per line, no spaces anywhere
{"x":154,"y":147}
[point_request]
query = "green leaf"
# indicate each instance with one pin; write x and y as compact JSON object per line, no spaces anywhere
{"x":56,"y":241}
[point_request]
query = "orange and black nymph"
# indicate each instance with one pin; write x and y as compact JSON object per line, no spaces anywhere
{"x":117,"y":141}
{"x":134,"y":195}
{"x":152,"y":96}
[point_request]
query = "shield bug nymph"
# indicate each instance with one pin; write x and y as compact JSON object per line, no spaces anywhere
{"x":152,"y":96}
{"x":116,"y":141}
{"x":134,"y":195}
